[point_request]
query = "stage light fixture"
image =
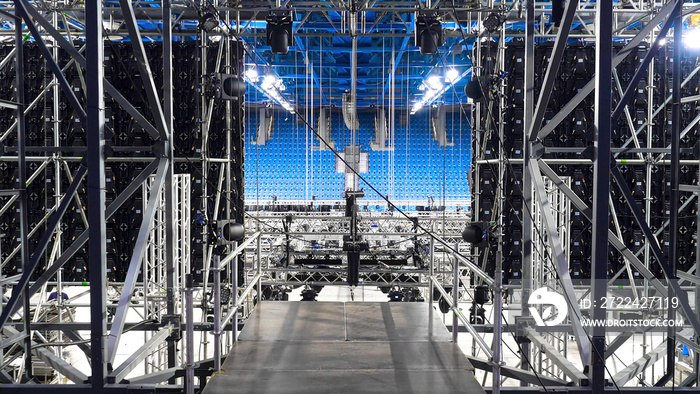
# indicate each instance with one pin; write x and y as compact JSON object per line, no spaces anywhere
{"x":395,"y":295}
{"x":279,"y":31}
{"x":476,"y":233}
{"x":229,"y":231}
{"x":208,"y":19}
{"x":493,"y":22}
{"x":451,"y":75}
{"x":229,"y":87}
{"x":309,"y":295}
{"x":429,"y":35}
{"x":481,"y":294}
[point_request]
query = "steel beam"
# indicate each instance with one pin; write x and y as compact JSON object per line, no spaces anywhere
{"x":560,"y":265}
{"x":600,"y":219}
{"x":135,"y":262}
{"x":97,"y":247}
{"x":526,"y":377}
{"x":117,"y":376}
{"x":552,"y":68}
{"x":588,"y":88}
{"x":23,"y":203}
{"x":144,"y":68}
{"x":28,"y":269}
{"x":45,"y":355}
{"x":557,"y":357}
{"x":617,"y":342}
{"x":637,"y":367}
{"x":674,"y":288}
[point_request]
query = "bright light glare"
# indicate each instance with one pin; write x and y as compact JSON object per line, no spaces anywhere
{"x":435,"y":82}
{"x":251,"y":74}
{"x":451,"y":75}
{"x":691,"y":39}
{"x":417,"y":106}
{"x":268,"y":81}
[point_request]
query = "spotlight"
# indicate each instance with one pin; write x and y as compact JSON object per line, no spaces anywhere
{"x":309,"y":295}
{"x":451,"y":75}
{"x":477,"y":314}
{"x":395,"y":295}
{"x":228,"y":87}
{"x":493,"y":22}
{"x":229,"y":231}
{"x":279,"y":31}
{"x":435,"y":82}
{"x":476,"y":233}
{"x":208,"y":19}
{"x":252,"y":74}
{"x":428,"y":33}
{"x":476,"y":87}
{"x":481,"y":294}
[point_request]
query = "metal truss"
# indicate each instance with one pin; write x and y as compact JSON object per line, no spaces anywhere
{"x":548,"y":199}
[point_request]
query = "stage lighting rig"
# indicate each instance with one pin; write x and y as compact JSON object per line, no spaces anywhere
{"x":208,"y":18}
{"x":493,"y":22}
{"x":309,"y":294}
{"x":429,"y":35}
{"x":279,"y":31}
{"x":228,"y":86}
{"x":476,"y":233}
{"x":228,"y":231}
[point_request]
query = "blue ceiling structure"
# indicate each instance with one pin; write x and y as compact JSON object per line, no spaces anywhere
{"x":385,"y":47}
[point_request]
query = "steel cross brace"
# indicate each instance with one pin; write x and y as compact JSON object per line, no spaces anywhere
{"x":612,"y":237}
{"x":83,"y":237}
{"x":589,"y":87}
{"x":52,"y":360}
{"x":561,"y":265}
{"x":656,"y":249}
{"x":43,"y":243}
{"x":135,"y":263}
{"x":553,"y":67}
{"x":80,"y":59}
{"x":144,"y":67}
{"x":637,"y":367}
{"x":139,"y":355}
{"x":55,"y":69}
{"x":557,"y":357}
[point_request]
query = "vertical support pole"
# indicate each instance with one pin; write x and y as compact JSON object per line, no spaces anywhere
{"x":97,"y":247}
{"x":217,"y":312}
{"x":601,"y":186}
{"x":22,"y":178}
{"x":529,"y":110}
{"x":170,"y":230}
{"x":675,"y":174}
{"x":258,"y":257}
{"x":234,"y":293}
{"x":189,"y":329}
{"x":455,"y":299}
{"x":431,"y":274}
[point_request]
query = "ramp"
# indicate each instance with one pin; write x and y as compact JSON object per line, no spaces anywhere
{"x":335,"y":347}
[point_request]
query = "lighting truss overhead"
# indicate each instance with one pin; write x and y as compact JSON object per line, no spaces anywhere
{"x":433,"y":87}
{"x":270,"y":85}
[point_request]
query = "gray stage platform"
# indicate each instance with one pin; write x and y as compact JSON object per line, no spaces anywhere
{"x":334,"y":347}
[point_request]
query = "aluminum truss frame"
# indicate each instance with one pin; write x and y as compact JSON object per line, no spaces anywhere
{"x":538,"y":171}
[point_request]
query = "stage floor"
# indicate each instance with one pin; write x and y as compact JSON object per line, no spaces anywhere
{"x":335,"y":347}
